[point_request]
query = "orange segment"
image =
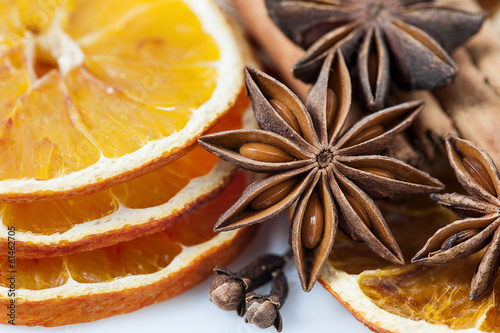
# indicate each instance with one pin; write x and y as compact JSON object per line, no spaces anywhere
{"x":121,"y":88}
{"x":14,"y":80}
{"x":113,"y":122}
{"x":171,"y":85}
{"x":41,"y":137}
{"x":158,"y":187}
{"x":11,"y":27}
{"x":36,"y":15}
{"x":491,"y":321}
{"x":58,"y":216}
{"x":145,"y":36}
{"x":90,"y":16}
{"x":438,"y":295}
{"x":34,"y":274}
{"x":13,"y":83}
{"x":144,"y":255}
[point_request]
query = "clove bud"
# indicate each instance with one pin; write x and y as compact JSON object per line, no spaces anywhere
{"x":228,"y":289}
{"x":263,"y":310}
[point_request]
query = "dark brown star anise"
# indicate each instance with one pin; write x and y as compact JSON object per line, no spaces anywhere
{"x":410,"y":36}
{"x":480,"y":211}
{"x":331,"y":172}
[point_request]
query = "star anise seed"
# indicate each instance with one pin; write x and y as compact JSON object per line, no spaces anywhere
{"x":406,"y":38}
{"x":333,"y":173}
{"x":480,"y":213}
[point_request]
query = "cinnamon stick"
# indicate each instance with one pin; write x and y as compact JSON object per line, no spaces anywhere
{"x":484,"y":47}
{"x":473,"y":105}
{"x":473,"y":100}
{"x":432,"y":125}
{"x":281,"y":50}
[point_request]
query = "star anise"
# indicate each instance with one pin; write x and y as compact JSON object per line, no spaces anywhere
{"x":331,"y":173}
{"x":480,"y":213}
{"x":411,"y":37}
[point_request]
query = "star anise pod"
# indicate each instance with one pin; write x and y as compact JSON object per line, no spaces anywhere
{"x":408,"y":38}
{"x":331,"y":173}
{"x":480,"y":213}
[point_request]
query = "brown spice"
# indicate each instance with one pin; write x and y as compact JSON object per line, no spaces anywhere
{"x":325,"y":169}
{"x":412,"y":37}
{"x":228,"y":290}
{"x":480,"y":211}
{"x":263,"y":310}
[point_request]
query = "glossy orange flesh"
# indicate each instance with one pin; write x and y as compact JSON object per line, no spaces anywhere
{"x":127,"y":79}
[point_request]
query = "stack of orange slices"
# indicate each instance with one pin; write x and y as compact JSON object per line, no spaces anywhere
{"x":104,"y":193}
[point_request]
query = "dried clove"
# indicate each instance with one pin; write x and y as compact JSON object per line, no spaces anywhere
{"x":228,"y":289}
{"x":263,"y":310}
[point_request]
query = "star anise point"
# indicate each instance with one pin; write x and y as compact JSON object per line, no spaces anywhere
{"x":405,"y":40}
{"x":479,"y":212}
{"x":311,"y":159}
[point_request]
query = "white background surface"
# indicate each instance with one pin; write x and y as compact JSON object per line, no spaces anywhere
{"x":192,"y":311}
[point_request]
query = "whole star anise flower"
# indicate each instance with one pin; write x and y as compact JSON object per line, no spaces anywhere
{"x":480,"y":211}
{"x":409,"y":37}
{"x":331,"y":173}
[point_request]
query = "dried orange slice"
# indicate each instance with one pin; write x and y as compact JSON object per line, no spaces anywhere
{"x":410,"y":298}
{"x":87,"y":286}
{"x":93,"y":93}
{"x":137,"y":207}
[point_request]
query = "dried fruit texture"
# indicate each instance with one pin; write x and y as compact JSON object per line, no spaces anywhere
{"x":137,"y":207}
{"x":410,"y":298}
{"x":111,"y":280}
{"x":408,"y":40}
{"x":479,"y":226}
{"x":94,"y":93}
{"x":330,"y":171}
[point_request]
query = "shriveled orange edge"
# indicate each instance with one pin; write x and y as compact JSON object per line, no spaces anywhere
{"x":109,"y":172}
{"x":76,"y":303}
{"x":345,"y":288}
